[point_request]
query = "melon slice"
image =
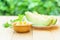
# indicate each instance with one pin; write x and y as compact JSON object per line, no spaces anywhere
{"x":54,"y":20}
{"x":38,"y":20}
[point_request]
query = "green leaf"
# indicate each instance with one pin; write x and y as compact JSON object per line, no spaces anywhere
{"x":20,"y":17}
{"x":48,"y":4}
{"x":6,"y":25}
{"x":32,"y":5}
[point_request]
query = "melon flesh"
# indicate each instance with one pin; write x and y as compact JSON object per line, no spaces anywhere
{"x":38,"y":20}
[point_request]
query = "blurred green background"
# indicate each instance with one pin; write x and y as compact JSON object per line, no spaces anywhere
{"x":15,"y":7}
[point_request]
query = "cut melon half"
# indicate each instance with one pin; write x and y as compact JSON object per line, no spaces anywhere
{"x":39,"y":21}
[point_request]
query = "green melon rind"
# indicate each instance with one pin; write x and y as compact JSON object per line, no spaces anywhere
{"x":54,"y":21}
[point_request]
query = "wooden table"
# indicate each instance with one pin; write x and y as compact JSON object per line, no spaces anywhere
{"x":9,"y":34}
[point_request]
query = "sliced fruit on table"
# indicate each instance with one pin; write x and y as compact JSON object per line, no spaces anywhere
{"x":40,"y":20}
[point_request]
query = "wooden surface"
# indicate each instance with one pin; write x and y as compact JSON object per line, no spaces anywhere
{"x":9,"y":34}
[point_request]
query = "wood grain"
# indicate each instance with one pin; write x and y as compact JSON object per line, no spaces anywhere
{"x":10,"y":34}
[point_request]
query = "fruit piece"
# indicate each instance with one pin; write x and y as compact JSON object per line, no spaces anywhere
{"x":24,"y":22}
{"x":38,"y":20}
{"x":53,"y":21}
{"x":22,"y":28}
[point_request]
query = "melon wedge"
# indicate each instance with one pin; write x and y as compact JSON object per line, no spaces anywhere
{"x":54,"y":20}
{"x":38,"y":20}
